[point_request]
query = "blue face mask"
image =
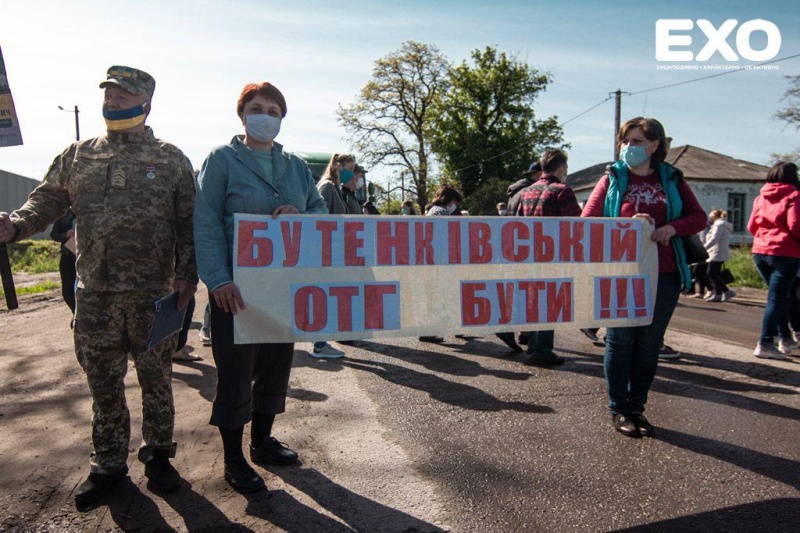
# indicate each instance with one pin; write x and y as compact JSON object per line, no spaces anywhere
{"x":633,"y":156}
{"x":124,"y":119}
{"x":262,"y":128}
{"x":345,"y":175}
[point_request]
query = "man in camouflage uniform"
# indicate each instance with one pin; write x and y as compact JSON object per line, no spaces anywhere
{"x":133,"y":198}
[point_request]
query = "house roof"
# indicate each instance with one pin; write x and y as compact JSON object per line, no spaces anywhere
{"x":697,"y":164}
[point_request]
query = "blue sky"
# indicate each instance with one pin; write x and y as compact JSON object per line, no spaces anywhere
{"x":321,"y":53}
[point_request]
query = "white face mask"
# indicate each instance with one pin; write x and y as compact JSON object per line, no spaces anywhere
{"x":503,"y":212}
{"x":360,"y":183}
{"x":451,"y":208}
{"x":262,"y":128}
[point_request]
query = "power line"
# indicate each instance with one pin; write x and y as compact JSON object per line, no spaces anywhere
{"x":514,"y":149}
{"x":584,"y":112}
{"x":632,"y":94}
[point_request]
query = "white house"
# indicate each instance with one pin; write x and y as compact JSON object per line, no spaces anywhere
{"x":718,"y":181}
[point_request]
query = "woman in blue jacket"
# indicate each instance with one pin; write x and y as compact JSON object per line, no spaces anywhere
{"x":250,"y":175}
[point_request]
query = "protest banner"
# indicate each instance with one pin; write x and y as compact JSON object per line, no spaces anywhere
{"x":306,"y":278}
{"x":9,"y":127}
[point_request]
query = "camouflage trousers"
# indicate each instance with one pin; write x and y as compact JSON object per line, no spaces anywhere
{"x":110,"y":326}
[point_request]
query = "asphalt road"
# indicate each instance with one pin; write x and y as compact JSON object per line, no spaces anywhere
{"x":515,"y":448}
{"x":737,"y":321}
{"x":408,"y":436}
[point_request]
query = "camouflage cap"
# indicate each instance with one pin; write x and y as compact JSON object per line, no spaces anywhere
{"x":132,"y":80}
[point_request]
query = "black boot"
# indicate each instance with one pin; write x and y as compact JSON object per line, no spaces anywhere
{"x":162,"y":475}
{"x":96,"y":486}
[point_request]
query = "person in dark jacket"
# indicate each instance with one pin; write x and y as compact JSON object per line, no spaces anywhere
{"x":63,"y":230}
{"x":514,"y":190}
{"x":547,"y":197}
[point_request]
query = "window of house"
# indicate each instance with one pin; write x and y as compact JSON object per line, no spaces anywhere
{"x":736,"y":203}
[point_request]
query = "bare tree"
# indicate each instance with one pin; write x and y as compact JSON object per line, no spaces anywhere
{"x":389,"y":123}
{"x":790,"y":114}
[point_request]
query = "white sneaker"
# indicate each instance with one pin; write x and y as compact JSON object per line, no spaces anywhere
{"x":327,"y":352}
{"x":185,"y":355}
{"x":786,"y":346}
{"x":205,"y":336}
{"x":768,"y":352}
{"x":727,"y":296}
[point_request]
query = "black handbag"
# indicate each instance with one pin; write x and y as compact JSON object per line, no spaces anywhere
{"x":695,"y":251}
{"x":726,"y":276}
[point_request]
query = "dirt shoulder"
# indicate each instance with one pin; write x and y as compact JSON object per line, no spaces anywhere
{"x":352,"y":476}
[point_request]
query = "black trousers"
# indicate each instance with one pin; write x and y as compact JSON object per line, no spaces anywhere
{"x":183,"y":336}
{"x":251,"y":378}
{"x":714,"y":268}
{"x":66,"y":267}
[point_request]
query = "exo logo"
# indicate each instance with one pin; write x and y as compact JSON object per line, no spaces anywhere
{"x":666,"y":40}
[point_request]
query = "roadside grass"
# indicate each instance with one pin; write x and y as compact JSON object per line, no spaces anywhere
{"x":36,"y":288}
{"x":34,"y":256}
{"x":743,"y":269}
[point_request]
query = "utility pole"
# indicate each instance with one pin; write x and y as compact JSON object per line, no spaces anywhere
{"x":77,"y":122}
{"x":617,"y":113}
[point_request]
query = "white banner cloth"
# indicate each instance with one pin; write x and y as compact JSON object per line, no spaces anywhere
{"x":307,"y":278}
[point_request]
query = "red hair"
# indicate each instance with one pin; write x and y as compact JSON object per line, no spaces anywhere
{"x":265,"y":89}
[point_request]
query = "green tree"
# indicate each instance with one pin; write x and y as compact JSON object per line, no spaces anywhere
{"x":791,"y":114}
{"x":486,"y":126}
{"x":389,"y":123}
{"x":483,"y":202}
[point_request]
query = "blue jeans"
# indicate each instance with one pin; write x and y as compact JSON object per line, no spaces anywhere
{"x":778,"y":273}
{"x":540,"y":343}
{"x":631,"y":355}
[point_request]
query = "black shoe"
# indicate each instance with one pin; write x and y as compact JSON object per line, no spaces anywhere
{"x":625,"y":425}
{"x":97,"y":485}
{"x":508,"y":338}
{"x":591,"y":333}
{"x":524,"y":338}
{"x":272,"y":452}
{"x":242,"y":477}
{"x":645,"y":428}
{"x":545,"y":360}
{"x":432,"y":338}
{"x":163,"y":477}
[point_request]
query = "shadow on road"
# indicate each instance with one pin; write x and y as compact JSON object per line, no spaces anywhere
{"x":358,"y":512}
{"x":442,"y":390}
{"x":442,"y":362}
{"x":777,"y":468}
{"x":132,"y":510}
{"x":205,"y":383}
{"x":685,"y":377}
{"x":771,"y":515}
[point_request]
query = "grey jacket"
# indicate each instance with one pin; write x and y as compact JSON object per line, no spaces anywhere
{"x":232,"y":181}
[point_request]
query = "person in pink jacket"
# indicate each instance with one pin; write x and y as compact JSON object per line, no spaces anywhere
{"x":775,"y":225}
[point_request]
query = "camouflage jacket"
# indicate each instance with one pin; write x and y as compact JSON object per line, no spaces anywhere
{"x":133,"y":198}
